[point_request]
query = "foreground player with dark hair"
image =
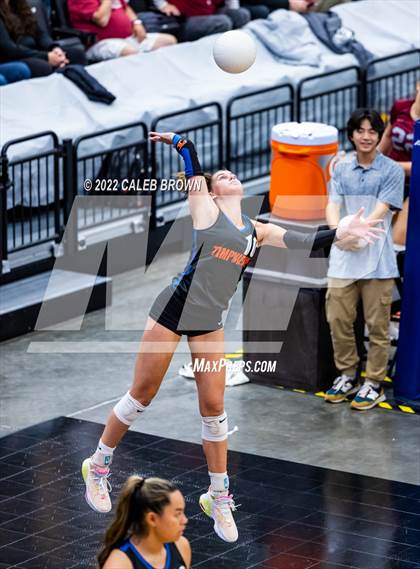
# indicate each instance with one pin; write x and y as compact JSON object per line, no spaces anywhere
{"x":147,"y":528}
{"x":224,"y":241}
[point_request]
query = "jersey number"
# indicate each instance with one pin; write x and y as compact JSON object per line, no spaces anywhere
{"x":402,"y":140}
{"x":251,"y":246}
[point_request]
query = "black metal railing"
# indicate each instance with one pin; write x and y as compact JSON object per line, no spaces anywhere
{"x":30,"y":187}
{"x":204,"y":125}
{"x":383,"y":87}
{"x":248,"y":133}
{"x":37,"y":189}
{"x":316,"y":104}
{"x":108,"y":163}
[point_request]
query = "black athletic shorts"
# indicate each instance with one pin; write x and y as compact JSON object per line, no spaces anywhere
{"x":168,"y":308}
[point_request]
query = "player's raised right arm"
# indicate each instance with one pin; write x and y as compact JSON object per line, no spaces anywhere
{"x":203,"y":209}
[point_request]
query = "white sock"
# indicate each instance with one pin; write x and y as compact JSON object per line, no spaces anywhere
{"x":352,"y":376}
{"x":219,"y":483}
{"x":103,"y":455}
{"x":374,"y":384}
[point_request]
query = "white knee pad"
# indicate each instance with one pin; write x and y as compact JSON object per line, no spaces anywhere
{"x":214,"y":429}
{"x":128,"y":409}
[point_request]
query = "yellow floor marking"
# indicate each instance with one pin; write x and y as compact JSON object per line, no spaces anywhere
{"x":406,"y":409}
{"x":382,"y":405}
{"x":388,"y":379}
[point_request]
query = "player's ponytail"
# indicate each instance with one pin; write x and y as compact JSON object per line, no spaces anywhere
{"x":138,"y":496}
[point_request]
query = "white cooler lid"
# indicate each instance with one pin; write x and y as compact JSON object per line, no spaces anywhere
{"x":304,"y":133}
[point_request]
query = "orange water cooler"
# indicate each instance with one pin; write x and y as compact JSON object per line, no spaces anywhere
{"x":303,"y":155}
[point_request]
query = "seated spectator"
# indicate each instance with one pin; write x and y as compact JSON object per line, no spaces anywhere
{"x":21,"y":39}
{"x":118,"y":29}
{"x":262,"y":9}
{"x":12,"y":72}
{"x":205,"y":17}
{"x":155,"y":21}
{"x":397,"y":143}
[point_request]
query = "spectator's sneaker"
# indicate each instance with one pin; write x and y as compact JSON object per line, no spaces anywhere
{"x":368,"y":396}
{"x":186,"y":370}
{"x":343,"y":386}
{"x":235,"y":376}
{"x":97,"y":486}
{"x":220,"y":510}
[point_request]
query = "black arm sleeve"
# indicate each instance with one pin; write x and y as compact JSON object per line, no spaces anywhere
{"x":297,"y":240}
{"x":11,"y":51}
{"x":186,"y":149}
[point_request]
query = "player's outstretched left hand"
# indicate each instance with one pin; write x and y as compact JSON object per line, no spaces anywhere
{"x":361,"y":228}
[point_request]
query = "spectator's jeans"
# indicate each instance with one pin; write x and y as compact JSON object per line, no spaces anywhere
{"x":196,"y":27}
{"x":256,"y":10}
{"x":238,"y":17}
{"x":39,"y":67}
{"x":341,"y":307}
{"x":14,"y":71}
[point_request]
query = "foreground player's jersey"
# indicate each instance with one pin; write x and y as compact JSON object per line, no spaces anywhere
{"x":217,"y":262}
{"x":173,"y":557}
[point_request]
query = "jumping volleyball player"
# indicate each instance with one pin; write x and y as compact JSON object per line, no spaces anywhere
{"x":224,"y":241}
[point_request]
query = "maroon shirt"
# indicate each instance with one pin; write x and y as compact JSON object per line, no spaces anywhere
{"x":402,"y":130}
{"x":81,"y":12}
{"x":197,"y":7}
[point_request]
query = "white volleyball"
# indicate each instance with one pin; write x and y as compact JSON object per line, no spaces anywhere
{"x":234,"y":51}
{"x":361,"y":243}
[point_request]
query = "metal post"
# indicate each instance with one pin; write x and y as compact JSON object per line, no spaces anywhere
{"x":362,"y":77}
{"x":4,"y":184}
{"x":70,"y":192}
{"x":152,"y":172}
